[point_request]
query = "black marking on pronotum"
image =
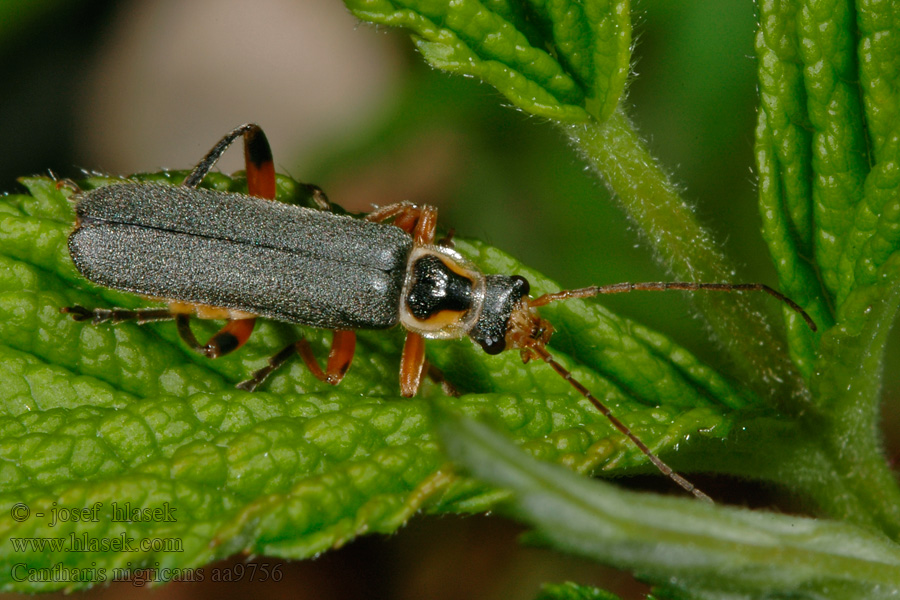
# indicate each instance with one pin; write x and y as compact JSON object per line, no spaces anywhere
{"x":230,"y":256}
{"x":437,"y":288}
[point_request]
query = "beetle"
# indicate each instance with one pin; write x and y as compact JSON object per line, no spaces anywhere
{"x":218,"y":255}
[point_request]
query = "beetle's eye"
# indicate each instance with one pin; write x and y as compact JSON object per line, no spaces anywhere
{"x":493,"y":345}
{"x":521,"y":284}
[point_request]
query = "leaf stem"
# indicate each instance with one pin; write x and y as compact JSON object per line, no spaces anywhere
{"x":689,"y":545}
{"x":844,"y":479}
{"x":617,"y":154}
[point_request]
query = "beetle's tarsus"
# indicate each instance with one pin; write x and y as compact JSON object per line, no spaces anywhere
{"x":447,"y":240}
{"x":248,"y":385}
{"x":98,"y":316}
{"x":78,"y":313}
{"x":66,"y":183}
{"x":319,"y":198}
{"x":437,"y":376}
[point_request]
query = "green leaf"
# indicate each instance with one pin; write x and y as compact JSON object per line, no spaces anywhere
{"x":797,"y":278}
{"x":696,"y":548}
{"x":839,"y":153}
{"x":839,"y":183}
{"x":879,"y":72}
{"x":784,"y":165}
{"x":838,"y":186}
{"x":128,"y":415}
{"x":573,"y":591}
{"x":559,"y":59}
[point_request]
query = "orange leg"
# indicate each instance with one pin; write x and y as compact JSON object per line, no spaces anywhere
{"x":418,"y":221}
{"x":228,"y":339}
{"x":412,"y":364}
{"x":426,"y":226}
{"x":259,"y":163}
{"x":343,"y":346}
{"x":421,"y":223}
{"x":232,"y":336}
{"x":257,"y":158}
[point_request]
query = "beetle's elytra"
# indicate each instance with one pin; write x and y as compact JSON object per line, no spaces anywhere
{"x":230,"y":256}
{"x":248,"y":254}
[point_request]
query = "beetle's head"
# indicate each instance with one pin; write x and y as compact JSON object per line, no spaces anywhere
{"x":445,"y":297}
{"x":507,"y":321}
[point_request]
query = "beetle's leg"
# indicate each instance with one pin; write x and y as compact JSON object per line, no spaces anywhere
{"x":426,"y":226}
{"x":274,"y":362}
{"x":257,"y":156}
{"x":67,"y":184}
{"x":412,"y":364}
{"x":228,"y":339}
{"x":418,"y":221}
{"x":382,"y":214}
{"x":437,"y":376}
{"x":117,"y":315}
{"x":259,"y":164}
{"x":421,"y":223}
{"x":343,"y":346}
{"x":319,"y":197}
{"x":447,"y":240}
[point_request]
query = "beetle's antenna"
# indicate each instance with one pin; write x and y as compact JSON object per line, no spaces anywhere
{"x":662,"y":286}
{"x":657,"y":462}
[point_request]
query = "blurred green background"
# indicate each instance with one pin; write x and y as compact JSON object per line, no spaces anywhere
{"x":130,"y":86}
